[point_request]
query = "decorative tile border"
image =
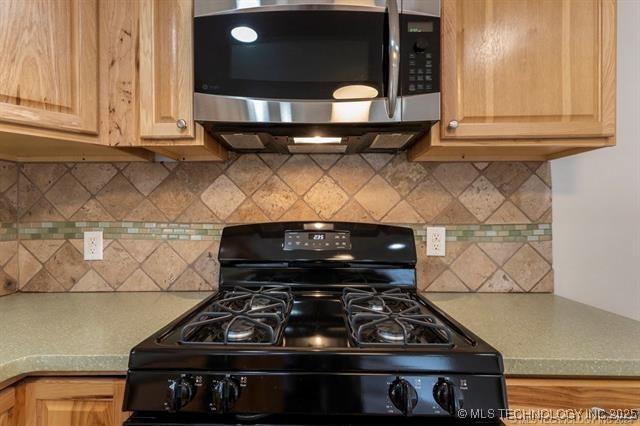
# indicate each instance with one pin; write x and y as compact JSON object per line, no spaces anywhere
{"x":198,"y":231}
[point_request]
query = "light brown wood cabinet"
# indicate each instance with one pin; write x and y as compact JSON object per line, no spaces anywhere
{"x":524,"y":79}
{"x":7,"y":407}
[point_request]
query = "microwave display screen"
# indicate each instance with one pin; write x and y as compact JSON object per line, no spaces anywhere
{"x":322,"y":60}
{"x":420,"y":27}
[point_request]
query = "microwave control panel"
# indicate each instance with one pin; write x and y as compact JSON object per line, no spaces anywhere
{"x":420,"y":54}
{"x":317,"y":240}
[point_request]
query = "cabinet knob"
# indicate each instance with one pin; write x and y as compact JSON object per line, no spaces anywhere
{"x":453,"y":124}
{"x":182,"y":124}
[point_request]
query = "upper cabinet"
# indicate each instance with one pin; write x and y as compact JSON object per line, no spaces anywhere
{"x":166,"y":69}
{"x":49,"y":64}
{"x":526,"y":79}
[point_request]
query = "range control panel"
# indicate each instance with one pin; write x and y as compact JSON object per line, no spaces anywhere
{"x":317,"y":240}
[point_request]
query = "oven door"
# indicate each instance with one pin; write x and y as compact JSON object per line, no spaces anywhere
{"x":297,"y":63}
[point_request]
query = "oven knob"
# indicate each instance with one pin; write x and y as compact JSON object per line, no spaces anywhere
{"x":179,"y":393}
{"x":225,"y":394}
{"x":403,"y":396}
{"x":420,"y":45}
{"x":448,"y":396}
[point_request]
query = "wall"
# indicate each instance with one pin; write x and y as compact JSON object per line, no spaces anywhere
{"x":600,"y":192}
{"x":8,"y":229}
{"x":162,"y":222}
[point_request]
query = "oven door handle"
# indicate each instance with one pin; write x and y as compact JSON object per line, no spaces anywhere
{"x":394,"y":56}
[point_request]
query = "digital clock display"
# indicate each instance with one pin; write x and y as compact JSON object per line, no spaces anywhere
{"x":316,"y":236}
{"x":420,"y":27}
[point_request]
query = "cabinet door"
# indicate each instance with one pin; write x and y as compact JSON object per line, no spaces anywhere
{"x":528,"y":68}
{"x":49,"y":64}
{"x":74,"y":402}
{"x":7,"y":407}
{"x":166,"y":69}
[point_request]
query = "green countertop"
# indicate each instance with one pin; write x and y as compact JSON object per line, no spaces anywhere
{"x":94,"y":332}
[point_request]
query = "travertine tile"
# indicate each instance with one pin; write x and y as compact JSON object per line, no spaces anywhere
{"x":28,"y":265}
{"x":29,"y":194}
{"x":43,"y":175}
{"x":533,"y":165}
{"x":197,"y":212}
{"x":145,"y":176}
{"x":273,"y":160}
{"x":377,"y":197}
{"x":8,"y":284}
{"x":499,"y":282}
{"x":546,"y":217}
{"x":454,"y":249}
{"x":300,"y":173}
{"x":274,"y":197}
{"x":67,"y":266}
{"x":41,"y":210}
{"x":544,"y":248}
{"x":325,"y":160}
{"x":197,"y":176}
{"x":116,"y":266}
{"x":91,"y":281}
{"x":481,"y":165}
{"x":526,"y":267}
{"x":94,"y":176}
{"x":402,"y":213}
{"x":92,"y":210}
{"x":247,"y":212}
{"x":139,"y":281}
{"x":473,"y":267}
{"x":351,"y":172}
{"x":300,"y":211}
{"x":326,"y":197}
{"x":544,"y":173}
{"x":377,"y":161}
{"x":12,"y":196}
{"x":429,"y":198}
{"x":42,"y":249}
{"x":7,"y":250}
{"x":140,"y":249}
{"x":403,"y":175}
{"x":164,"y":266}
{"x":43,"y":281}
{"x":500,"y":252}
{"x":507,"y":176}
{"x":222,"y":197}
{"x":545,"y":285}
{"x":189,"y":250}
{"x":447,"y":282}
{"x":427,"y":268}
{"x":67,"y":195}
{"x":481,"y":198}
{"x":190,"y":281}
{"x":352,"y":212}
{"x":146,"y":211}
{"x":172,"y":196}
{"x":8,"y":211}
{"x":248,"y":172}
{"x":507,"y":213}
{"x":533,"y":197}
{"x":455,"y":214}
{"x":11,"y":267}
{"x":207,"y":265}
{"x":455,"y":176}
{"x":8,"y":175}
{"x":119,"y":197}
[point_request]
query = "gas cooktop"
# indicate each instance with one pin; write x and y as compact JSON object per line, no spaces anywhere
{"x":335,"y":330}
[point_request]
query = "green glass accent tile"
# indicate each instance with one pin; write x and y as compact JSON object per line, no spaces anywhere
{"x":133,"y":231}
{"x":492,"y":233}
{"x":532,"y":238}
{"x":538,"y":232}
{"x":451,"y":238}
{"x":521,"y":227}
{"x":545,"y":226}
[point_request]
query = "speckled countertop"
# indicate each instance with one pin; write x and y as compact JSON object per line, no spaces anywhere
{"x":537,"y":334}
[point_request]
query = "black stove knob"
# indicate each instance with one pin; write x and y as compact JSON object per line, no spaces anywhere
{"x":403,"y":396}
{"x":448,"y":396}
{"x":225,"y":394}
{"x":179,"y":393}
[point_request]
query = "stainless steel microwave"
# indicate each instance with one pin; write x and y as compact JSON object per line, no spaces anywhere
{"x":317,"y":75}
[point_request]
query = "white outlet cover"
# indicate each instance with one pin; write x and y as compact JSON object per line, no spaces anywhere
{"x":436,"y":240}
{"x":93,"y":245}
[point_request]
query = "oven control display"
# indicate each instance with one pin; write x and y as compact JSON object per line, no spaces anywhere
{"x":318,"y":241}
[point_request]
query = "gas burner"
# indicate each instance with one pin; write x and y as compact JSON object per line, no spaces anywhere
{"x":242,"y":316}
{"x":391,"y":318}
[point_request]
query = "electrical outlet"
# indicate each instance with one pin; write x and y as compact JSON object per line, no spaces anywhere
{"x":93,"y":245}
{"x":436,"y":240}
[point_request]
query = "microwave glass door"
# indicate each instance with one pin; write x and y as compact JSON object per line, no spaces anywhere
{"x":299,"y":54}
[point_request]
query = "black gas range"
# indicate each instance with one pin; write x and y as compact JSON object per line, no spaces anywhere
{"x":314,"y":323}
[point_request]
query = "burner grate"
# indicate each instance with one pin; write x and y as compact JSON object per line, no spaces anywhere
{"x":241,"y":316}
{"x":391,"y":318}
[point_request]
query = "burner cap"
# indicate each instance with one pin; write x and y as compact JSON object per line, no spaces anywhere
{"x":392,"y":332}
{"x":375,"y":304}
{"x":258,"y":302}
{"x":240,"y":330}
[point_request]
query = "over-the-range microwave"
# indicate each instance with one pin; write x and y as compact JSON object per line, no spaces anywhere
{"x":317,"y":76}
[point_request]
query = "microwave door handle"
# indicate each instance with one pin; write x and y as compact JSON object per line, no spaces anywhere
{"x":394,"y":56}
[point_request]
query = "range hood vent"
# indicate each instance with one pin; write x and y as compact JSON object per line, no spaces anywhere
{"x":390,"y":140}
{"x":317,"y":149}
{"x":243,"y":140}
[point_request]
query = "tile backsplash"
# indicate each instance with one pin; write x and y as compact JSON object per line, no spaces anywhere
{"x":162,"y":221}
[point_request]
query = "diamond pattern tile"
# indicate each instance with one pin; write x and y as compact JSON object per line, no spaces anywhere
{"x":351,"y":172}
{"x":222,"y":197}
{"x":326,"y":197}
{"x":43,"y":175}
{"x":67,"y":266}
{"x":164,"y":266}
{"x":172,"y":196}
{"x":352,"y":212}
{"x":507,"y":176}
{"x":508,"y":213}
{"x":377,"y":197}
{"x":429,"y":198}
{"x":116,"y":266}
{"x":473,"y":267}
{"x":481,"y":198}
{"x":119,"y":197}
{"x":526,"y":267}
{"x":325,"y":160}
{"x":28,"y":265}
{"x":139,"y":281}
{"x":300,"y":172}
{"x":94,"y":176}
{"x":499,"y":282}
{"x":91,"y":281}
{"x":248,"y":172}
{"x":67,"y":195}
{"x":447,"y":282}
{"x":274,"y":197}
{"x":533,"y":198}
{"x":403,"y":175}
{"x":300,"y":211}
{"x":247,"y":212}
{"x":455,"y":177}
{"x":402,"y":213}
{"x":145,"y":176}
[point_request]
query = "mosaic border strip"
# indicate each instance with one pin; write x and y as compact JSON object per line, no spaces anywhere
{"x":207,"y":231}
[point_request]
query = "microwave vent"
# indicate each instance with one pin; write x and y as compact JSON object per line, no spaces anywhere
{"x":390,"y":140}
{"x":317,"y":149}
{"x":243,"y":140}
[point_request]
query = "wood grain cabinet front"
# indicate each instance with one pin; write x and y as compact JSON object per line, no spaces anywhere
{"x":7,"y":407}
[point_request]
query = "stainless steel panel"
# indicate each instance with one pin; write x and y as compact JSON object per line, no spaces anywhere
{"x":243,"y":140}
{"x":421,"y":7}
{"x":425,"y":107}
{"x":229,"y":109}
{"x":390,"y":140}
{"x":317,"y":149}
{"x":215,"y":7}
{"x":394,"y":57}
